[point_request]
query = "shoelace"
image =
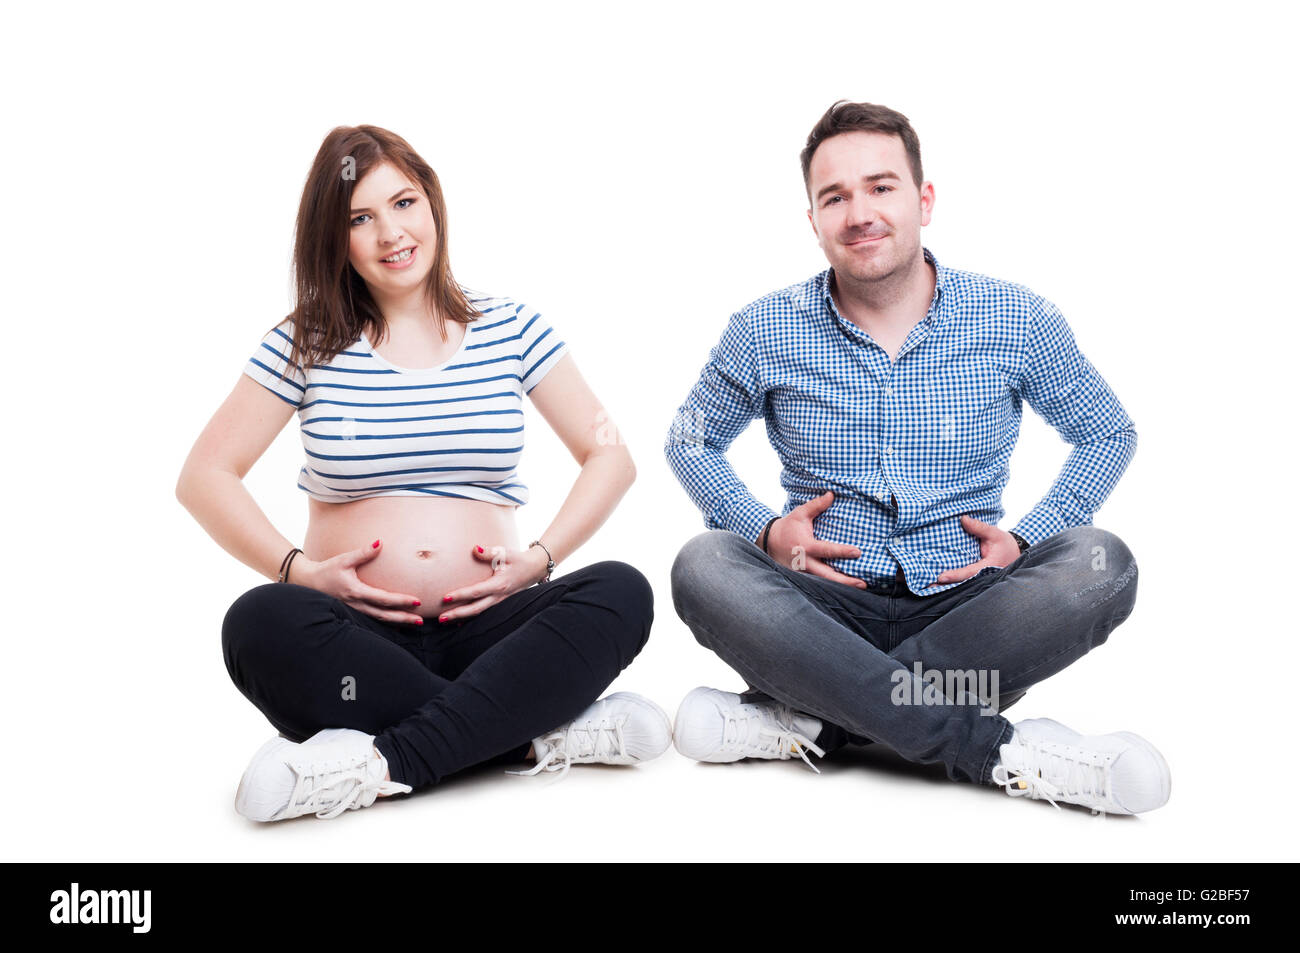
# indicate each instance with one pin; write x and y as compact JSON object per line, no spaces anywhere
{"x":783,"y":739}
{"x":591,"y":739}
{"x":1054,"y":771}
{"x":331,"y":792}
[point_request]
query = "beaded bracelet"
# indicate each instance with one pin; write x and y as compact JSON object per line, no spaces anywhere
{"x":288,"y":561}
{"x":550,"y":563}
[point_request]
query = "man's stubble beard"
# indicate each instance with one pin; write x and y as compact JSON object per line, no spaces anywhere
{"x":891,"y":283}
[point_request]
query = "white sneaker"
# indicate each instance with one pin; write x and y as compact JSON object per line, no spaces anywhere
{"x":333,"y":771}
{"x":621,"y":728}
{"x":1120,"y":773}
{"x":713,"y":725}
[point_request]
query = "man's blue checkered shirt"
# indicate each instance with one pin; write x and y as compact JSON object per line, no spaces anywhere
{"x":933,"y":429}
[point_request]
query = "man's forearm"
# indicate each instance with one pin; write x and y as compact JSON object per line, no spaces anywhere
{"x":1089,"y":475}
{"x":1070,"y":394}
{"x":712,"y":484}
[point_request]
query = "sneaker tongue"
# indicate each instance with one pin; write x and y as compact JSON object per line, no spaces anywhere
{"x":808,"y":726}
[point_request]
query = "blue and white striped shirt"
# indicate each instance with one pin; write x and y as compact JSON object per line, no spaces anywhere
{"x":907,"y":446}
{"x":371,"y":428}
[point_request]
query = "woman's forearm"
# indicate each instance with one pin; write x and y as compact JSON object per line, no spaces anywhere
{"x":225,"y":509}
{"x":601,"y":483}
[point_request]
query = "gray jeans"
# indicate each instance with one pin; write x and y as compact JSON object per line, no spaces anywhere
{"x":864,"y":661}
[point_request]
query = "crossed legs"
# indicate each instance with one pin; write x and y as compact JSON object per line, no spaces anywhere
{"x":443,"y":700}
{"x":841,"y":654}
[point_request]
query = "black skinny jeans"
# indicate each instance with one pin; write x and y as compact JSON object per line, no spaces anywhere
{"x":438,"y":697}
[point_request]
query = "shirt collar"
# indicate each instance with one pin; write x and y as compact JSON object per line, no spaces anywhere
{"x":821,"y":291}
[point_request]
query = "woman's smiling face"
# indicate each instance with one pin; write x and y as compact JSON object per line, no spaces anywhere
{"x":391,"y":219}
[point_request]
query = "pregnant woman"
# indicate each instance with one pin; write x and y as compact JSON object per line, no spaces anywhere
{"x":412,"y":636}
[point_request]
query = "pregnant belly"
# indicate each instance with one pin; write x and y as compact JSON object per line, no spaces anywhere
{"x":428,"y":542}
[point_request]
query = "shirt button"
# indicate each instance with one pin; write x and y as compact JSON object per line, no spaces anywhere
{"x":888,"y":451}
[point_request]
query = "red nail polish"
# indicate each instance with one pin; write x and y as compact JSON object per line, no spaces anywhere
{"x":480,"y":549}
{"x":446,"y":598}
{"x":442,"y":618}
{"x":417,"y":602}
{"x":421,"y":622}
{"x":375,"y":544}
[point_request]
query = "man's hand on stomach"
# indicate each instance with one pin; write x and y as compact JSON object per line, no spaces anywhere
{"x":791,"y":543}
{"x":997,"y":548}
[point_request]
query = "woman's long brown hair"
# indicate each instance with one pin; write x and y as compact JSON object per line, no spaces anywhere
{"x":332,"y":305}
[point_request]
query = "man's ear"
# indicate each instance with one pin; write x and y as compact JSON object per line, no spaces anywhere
{"x":927,"y":202}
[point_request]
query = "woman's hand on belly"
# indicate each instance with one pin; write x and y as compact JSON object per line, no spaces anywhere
{"x":338,"y":577}
{"x":512,"y":571}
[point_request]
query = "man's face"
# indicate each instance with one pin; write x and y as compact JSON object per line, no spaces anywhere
{"x":866,"y":211}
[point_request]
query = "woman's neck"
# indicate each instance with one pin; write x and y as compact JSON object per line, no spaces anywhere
{"x":407,"y":312}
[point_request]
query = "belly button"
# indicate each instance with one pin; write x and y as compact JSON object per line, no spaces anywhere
{"x":424,"y":553}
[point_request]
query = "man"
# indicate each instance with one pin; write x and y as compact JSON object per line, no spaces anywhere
{"x":885,"y":604}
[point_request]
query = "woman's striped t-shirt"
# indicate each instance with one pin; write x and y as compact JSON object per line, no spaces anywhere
{"x":371,"y":428}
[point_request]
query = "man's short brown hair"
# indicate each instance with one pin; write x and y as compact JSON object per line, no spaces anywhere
{"x":845,"y":116}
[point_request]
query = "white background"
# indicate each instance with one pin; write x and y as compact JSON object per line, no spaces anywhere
{"x":633,"y":172}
